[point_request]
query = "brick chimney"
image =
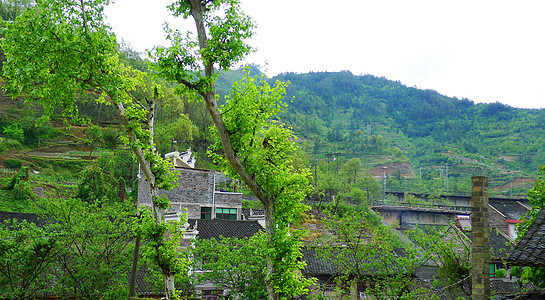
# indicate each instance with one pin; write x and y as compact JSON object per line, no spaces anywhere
{"x":480,"y":248}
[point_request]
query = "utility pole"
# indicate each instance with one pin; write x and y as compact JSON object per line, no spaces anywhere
{"x":172,"y":144}
{"x":316,"y":173}
{"x":511,"y":184}
{"x":384,"y":184}
{"x":446,"y":176}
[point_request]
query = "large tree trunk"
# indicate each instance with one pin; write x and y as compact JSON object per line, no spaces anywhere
{"x":156,"y":212}
{"x":270,"y":227}
{"x":209,"y":96}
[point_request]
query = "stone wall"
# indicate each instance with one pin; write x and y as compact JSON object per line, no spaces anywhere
{"x":195,"y":190}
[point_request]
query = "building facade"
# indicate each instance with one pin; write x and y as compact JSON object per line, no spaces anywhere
{"x":201,"y":194}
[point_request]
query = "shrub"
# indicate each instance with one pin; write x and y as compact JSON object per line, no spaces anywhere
{"x":13,"y":163}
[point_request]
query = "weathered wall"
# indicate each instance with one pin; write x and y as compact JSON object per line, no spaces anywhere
{"x":425,"y":218}
{"x":195,"y":190}
{"x":480,"y":247}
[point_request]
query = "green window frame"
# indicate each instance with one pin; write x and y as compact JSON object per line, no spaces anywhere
{"x":226,"y":213}
{"x":206,"y":213}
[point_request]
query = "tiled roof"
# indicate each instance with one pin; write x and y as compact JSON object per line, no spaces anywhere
{"x":31,"y":218}
{"x":504,"y":289}
{"x":513,"y":210}
{"x":530,"y":251}
{"x":500,"y":246}
{"x":227,"y":228}
{"x":317,"y":265}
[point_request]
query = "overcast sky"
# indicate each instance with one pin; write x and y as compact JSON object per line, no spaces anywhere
{"x":486,"y":51}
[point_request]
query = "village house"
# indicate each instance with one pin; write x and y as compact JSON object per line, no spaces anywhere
{"x":201,"y":194}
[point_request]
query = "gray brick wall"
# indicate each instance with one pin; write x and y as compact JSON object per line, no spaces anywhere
{"x":195,"y":189}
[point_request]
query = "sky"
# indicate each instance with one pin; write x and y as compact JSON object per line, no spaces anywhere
{"x":486,"y":51}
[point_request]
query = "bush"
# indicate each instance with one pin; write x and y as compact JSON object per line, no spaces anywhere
{"x":13,"y":163}
{"x":9,"y":144}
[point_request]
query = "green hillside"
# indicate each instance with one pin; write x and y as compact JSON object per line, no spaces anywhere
{"x":369,"y":117}
{"x":419,"y":135}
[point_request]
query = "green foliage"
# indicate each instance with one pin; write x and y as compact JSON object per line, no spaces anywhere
{"x":67,"y":48}
{"x":369,"y":251}
{"x":162,"y":251}
{"x":21,"y":176}
{"x":180,"y":130}
{"x":80,"y":250}
{"x":118,"y":163}
{"x":252,"y":204}
{"x":14,"y":131}
{"x":94,"y":136}
{"x":96,"y":185}
{"x":450,"y":250}
{"x":265,"y":145}
{"x":91,"y":234}
{"x":110,"y":138}
{"x":365,"y":116}
{"x":9,"y":144}
{"x":235,"y":264}
{"x":26,"y":254}
{"x":17,"y":194}
{"x":13,"y":163}
{"x":10,"y":9}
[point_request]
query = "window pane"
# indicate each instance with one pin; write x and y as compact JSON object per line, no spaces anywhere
{"x":233,"y":217}
{"x":233,"y":211}
{"x":219,"y":210}
{"x":206,"y":209}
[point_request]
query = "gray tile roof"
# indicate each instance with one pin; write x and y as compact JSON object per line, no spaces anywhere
{"x":227,"y":228}
{"x":29,"y":217}
{"x":513,"y":210}
{"x":500,"y":246}
{"x":316,"y":264}
{"x":530,"y":251}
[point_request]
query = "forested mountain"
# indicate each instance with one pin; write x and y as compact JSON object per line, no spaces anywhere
{"x":382,"y":121}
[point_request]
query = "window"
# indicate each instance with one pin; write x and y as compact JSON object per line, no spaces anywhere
{"x":226,"y":213}
{"x":494,"y":268}
{"x":206,"y":213}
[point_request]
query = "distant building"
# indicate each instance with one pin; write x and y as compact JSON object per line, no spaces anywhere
{"x":201,"y":194}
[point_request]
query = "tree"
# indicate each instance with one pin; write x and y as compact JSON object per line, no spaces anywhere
{"x":25,"y":253}
{"x":350,"y":170}
{"x":450,"y":250}
{"x":254,"y":147}
{"x":93,"y":246}
{"x":366,"y":254}
{"x":239,"y":265}
{"x":72,"y":249}
{"x":94,"y":136}
{"x":60,"y":50}
{"x":10,"y":9}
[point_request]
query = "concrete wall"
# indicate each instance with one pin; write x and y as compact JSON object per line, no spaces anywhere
{"x":425,"y":218}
